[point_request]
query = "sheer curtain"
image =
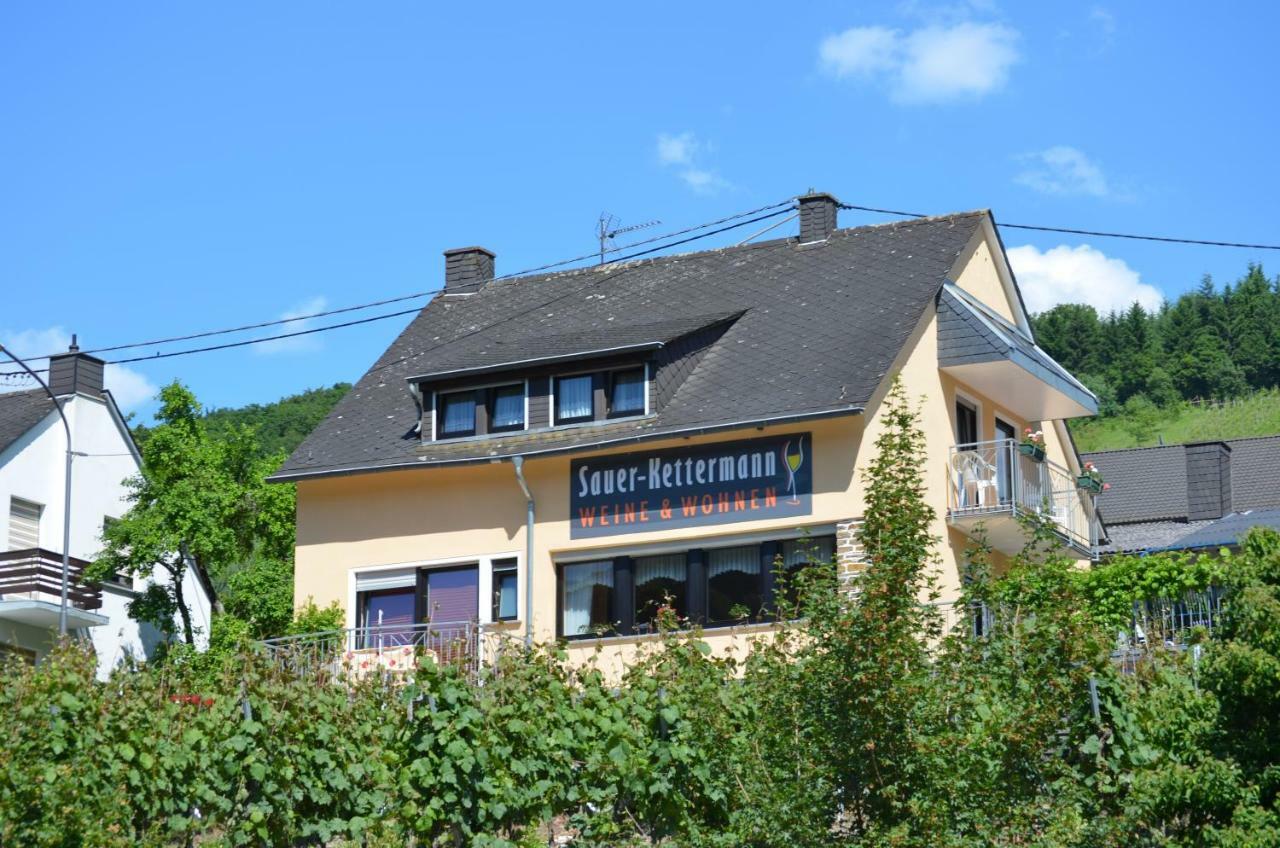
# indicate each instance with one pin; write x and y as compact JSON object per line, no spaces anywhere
{"x":508,"y":407}
{"x":573,"y":397}
{"x":801,"y":551}
{"x":580,"y":583}
{"x":628,"y":392}
{"x":664,"y":567}
{"x":459,"y":413}
{"x":745,"y":559}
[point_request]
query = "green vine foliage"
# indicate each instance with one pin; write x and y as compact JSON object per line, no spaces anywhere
{"x":854,"y":721}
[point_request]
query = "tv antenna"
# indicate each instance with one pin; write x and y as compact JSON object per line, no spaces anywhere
{"x":607,"y":228}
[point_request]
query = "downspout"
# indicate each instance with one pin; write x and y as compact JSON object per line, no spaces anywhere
{"x":517,"y":462}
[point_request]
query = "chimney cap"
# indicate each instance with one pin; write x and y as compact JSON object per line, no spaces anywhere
{"x":473,"y":249}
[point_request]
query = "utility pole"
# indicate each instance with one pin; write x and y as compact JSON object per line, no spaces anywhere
{"x":66,"y":501}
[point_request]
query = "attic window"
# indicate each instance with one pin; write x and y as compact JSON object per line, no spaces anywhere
{"x":457,"y":414}
{"x":574,"y":400}
{"x":626,"y":392}
{"x":506,"y":408}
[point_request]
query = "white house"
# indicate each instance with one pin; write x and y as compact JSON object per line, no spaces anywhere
{"x":33,"y":445}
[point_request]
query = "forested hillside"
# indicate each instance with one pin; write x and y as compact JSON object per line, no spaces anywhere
{"x":1208,"y":344}
{"x":281,"y":425}
{"x":1200,"y":367}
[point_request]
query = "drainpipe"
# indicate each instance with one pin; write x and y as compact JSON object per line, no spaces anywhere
{"x":517,"y":462}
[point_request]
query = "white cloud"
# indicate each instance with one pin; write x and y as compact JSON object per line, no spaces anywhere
{"x":936,"y":63}
{"x":129,"y":387}
{"x":684,"y":152}
{"x":296,"y":344}
{"x":1081,"y":274}
{"x":1063,"y":170}
{"x":676,"y":149}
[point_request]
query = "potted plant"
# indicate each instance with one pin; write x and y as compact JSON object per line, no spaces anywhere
{"x":1032,"y":445}
{"x":1091,"y":479}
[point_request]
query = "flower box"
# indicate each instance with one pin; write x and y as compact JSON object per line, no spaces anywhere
{"x":1090,"y":484}
{"x":1033,"y":451}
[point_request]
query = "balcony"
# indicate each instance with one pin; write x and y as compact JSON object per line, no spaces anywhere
{"x":31,"y":590}
{"x":993,"y":484}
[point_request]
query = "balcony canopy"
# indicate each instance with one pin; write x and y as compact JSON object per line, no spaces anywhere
{"x":985,"y":351}
{"x":41,"y":613}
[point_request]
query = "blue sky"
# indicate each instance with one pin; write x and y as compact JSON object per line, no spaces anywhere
{"x":179,"y":167}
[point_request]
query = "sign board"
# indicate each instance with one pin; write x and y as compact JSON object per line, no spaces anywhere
{"x":720,"y":483}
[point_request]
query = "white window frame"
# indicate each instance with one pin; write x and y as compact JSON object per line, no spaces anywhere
{"x":484,"y":580}
{"x":551,"y":395}
{"x":979,"y":411}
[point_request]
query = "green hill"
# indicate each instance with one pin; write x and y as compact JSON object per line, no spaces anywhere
{"x":1144,"y":424}
{"x":282,"y":425}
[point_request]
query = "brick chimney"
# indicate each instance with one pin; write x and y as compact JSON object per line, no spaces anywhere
{"x":73,"y":372}
{"x":466,"y":269}
{"x":818,"y":211}
{"x":1208,"y":480}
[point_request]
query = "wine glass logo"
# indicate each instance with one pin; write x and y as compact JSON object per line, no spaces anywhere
{"x":795,"y":458}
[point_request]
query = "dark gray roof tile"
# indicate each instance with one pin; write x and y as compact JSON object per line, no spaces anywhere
{"x":20,"y":411}
{"x":819,"y":327}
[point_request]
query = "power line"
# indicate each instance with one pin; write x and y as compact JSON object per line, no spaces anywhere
{"x":777,"y":211}
{"x":1099,"y":233}
{"x":362,"y":306}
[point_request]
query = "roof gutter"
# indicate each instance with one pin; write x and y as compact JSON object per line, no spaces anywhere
{"x":517,"y":462}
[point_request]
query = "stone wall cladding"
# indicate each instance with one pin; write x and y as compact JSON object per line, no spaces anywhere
{"x":850,"y":555}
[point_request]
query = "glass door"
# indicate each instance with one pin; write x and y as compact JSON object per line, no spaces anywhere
{"x":1007,"y":434}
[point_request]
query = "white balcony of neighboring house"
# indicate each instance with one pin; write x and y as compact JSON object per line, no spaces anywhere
{"x":993,"y":484}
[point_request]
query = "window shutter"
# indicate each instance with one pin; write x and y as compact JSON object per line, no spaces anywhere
{"x":24,"y":524}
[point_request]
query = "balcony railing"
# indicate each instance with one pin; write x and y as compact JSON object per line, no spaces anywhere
{"x":995,"y":477}
{"x":358,"y":652}
{"x":35,"y":574}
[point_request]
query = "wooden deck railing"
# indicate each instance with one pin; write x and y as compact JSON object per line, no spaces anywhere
{"x":36,"y":574}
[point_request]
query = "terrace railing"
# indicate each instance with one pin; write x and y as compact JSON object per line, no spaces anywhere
{"x":35,"y":574}
{"x":995,"y":477}
{"x":387,"y":648}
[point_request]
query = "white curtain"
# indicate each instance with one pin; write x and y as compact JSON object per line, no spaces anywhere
{"x":628,"y":391}
{"x":800,"y":551}
{"x":745,"y":559}
{"x":668,"y":566}
{"x":580,"y":582}
{"x":459,"y":414}
{"x":508,"y":407}
{"x":573,"y":397}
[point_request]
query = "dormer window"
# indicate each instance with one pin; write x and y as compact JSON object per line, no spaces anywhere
{"x":626,"y":392}
{"x":574,"y":399}
{"x":506,"y":408}
{"x":484,"y":410}
{"x":457,"y":414}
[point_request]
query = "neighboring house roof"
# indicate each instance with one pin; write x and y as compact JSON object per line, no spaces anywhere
{"x":1152,"y":498}
{"x":20,"y":411}
{"x":1227,"y":530}
{"x":812,"y":330}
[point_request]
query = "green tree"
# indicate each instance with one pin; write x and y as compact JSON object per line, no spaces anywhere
{"x":199,"y":500}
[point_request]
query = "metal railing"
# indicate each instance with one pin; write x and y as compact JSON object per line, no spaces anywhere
{"x":377,"y":649}
{"x":35,"y":574}
{"x":996,"y":477}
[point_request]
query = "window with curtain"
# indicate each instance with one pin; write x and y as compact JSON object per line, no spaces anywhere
{"x":626,"y":392}
{"x":799,"y":554}
{"x":505,"y":588}
{"x":733,"y":584}
{"x":660,"y":580}
{"x":457,"y":411}
{"x":587,"y":604}
{"x":506,"y":408}
{"x":574,"y":399}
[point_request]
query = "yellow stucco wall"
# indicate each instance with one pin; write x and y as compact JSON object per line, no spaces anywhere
{"x":465,"y":513}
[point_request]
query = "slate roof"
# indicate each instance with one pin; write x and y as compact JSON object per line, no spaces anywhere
{"x":1148,"y":504}
{"x":1227,"y":530}
{"x":819,"y":326}
{"x":20,"y":411}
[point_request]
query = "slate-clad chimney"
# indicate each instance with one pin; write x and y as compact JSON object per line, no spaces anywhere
{"x":818,"y":212}
{"x":1208,"y":480}
{"x":74,"y":371}
{"x":466,"y":269}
